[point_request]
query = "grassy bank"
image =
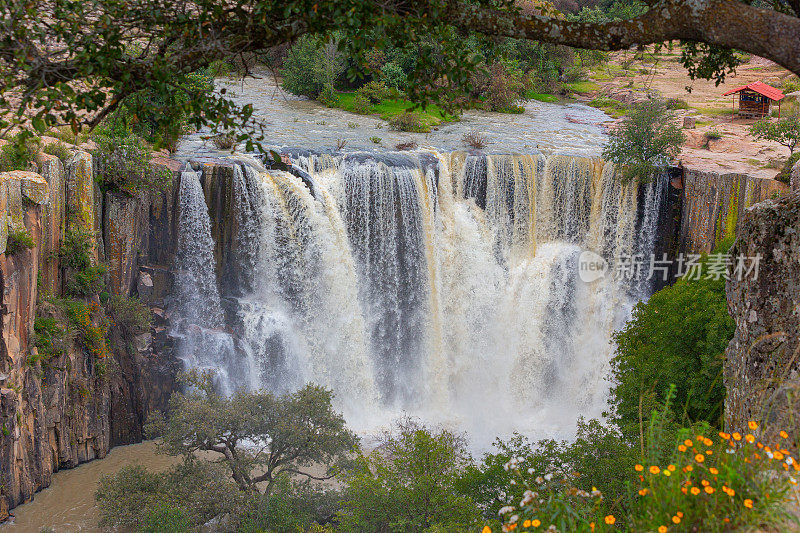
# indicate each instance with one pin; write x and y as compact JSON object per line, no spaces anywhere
{"x":390,"y":108}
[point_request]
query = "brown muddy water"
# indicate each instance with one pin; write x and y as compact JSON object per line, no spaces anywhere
{"x":68,"y":505}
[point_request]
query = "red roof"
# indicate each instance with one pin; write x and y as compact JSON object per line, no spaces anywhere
{"x":761,"y":88}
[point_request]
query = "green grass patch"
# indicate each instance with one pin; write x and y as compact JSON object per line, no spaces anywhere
{"x":583,"y":87}
{"x":612,"y":107}
{"x":432,"y":115}
{"x":530,"y":95}
{"x":601,"y":76}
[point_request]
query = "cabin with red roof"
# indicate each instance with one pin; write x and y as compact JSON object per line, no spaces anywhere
{"x":755,"y":99}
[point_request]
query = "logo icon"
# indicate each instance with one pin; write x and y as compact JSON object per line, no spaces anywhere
{"x":591,"y":266}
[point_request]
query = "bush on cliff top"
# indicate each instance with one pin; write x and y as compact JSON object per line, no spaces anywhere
{"x":123,"y":164}
{"x":19,"y":153}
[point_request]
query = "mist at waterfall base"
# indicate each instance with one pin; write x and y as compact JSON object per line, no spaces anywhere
{"x":441,"y":286}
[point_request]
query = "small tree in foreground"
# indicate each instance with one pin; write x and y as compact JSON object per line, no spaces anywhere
{"x":645,"y":141}
{"x":258,"y":436}
{"x":785,"y":131}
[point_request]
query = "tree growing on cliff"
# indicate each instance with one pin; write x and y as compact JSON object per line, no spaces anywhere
{"x":258,"y":436}
{"x":784,"y":131}
{"x":645,"y":141}
{"x":74,"y":62}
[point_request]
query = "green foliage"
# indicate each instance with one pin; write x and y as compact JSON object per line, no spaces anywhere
{"x":785,"y":131}
{"x":407,"y":485}
{"x":310,"y":65}
{"x":411,"y":121}
{"x":259,"y":436}
{"x":530,"y":95}
{"x":76,"y":248}
{"x":19,"y":240}
{"x":613,"y":107}
{"x":678,"y":336}
{"x":51,"y":338}
{"x":505,"y":86}
{"x":159,"y":117}
{"x":129,"y":313}
{"x":19,"y":153}
{"x":123,"y":164}
{"x":786,"y":173}
{"x":182,"y":498}
{"x":393,"y":75}
{"x":361,"y":105}
{"x":327,"y":96}
{"x":375,"y":91}
{"x":58,"y":149}
{"x":645,"y":141}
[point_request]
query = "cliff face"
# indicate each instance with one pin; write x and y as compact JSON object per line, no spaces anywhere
{"x":713,"y":204}
{"x":73,"y":403}
{"x":762,"y":370}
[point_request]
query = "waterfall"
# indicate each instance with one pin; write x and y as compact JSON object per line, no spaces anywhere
{"x":441,"y":285}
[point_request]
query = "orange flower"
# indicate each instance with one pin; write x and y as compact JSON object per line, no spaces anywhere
{"x":726,"y":436}
{"x":750,"y":438}
{"x":748,"y":503}
{"x":642,"y":492}
{"x":671,"y":468}
{"x":737,"y":436}
{"x":591,"y":526}
{"x":688,"y":443}
{"x":784,"y":435}
{"x":689,"y":468}
{"x":680,"y":514}
{"x":526,"y":523}
{"x":486,"y":529}
{"x":654,"y":470}
{"x":713,"y":471}
{"x":699,"y":457}
{"x":778,"y":456}
{"x":695,"y":491}
{"x":708,"y":442}
{"x":681,"y":448}
{"x":709,"y":452}
{"x":638,"y":468}
{"x":676,"y":519}
{"x":536,"y":522}
{"x":752,"y":425}
{"x":662,"y":529}
{"x":683,"y":490}
{"x":705,"y":483}
{"x":610,"y":520}
{"x":709,"y":490}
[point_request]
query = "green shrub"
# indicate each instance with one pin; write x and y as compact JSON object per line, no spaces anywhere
{"x":51,"y":338}
{"x":86,"y":282}
{"x":678,"y":336}
{"x":123,"y":164}
{"x":76,"y":248}
{"x":327,"y":96}
{"x":375,"y":139}
{"x":410,"y":121}
{"x":224,"y":141}
{"x":505,"y":88}
{"x":310,"y":65}
{"x":361,"y":105}
{"x":374,"y":91}
{"x":713,"y":135}
{"x":677,"y":103}
{"x":393,"y":75}
{"x":786,"y":173}
{"x":129,"y":312}
{"x":59,"y":150}
{"x":408,"y":484}
{"x":19,"y":153}
{"x":19,"y":240}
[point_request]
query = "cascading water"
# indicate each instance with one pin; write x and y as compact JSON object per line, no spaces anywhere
{"x":443,"y":285}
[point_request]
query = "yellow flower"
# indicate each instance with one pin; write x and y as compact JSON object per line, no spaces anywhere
{"x":709,"y":490}
{"x":752,"y":425}
{"x":536,"y":522}
{"x":662,"y":529}
{"x":695,"y":491}
{"x":749,"y":438}
{"x":654,"y":470}
{"x":638,"y":468}
{"x":699,"y":457}
{"x":783,"y":434}
{"x":713,"y":471}
{"x":610,"y":520}
{"x":681,"y":448}
{"x":668,"y":473}
{"x":737,"y":436}
{"x":748,"y":503}
{"x":676,"y":519}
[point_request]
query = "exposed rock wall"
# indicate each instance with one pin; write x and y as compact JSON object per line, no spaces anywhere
{"x":762,"y":369}
{"x":713,"y":204}
{"x":74,"y":406}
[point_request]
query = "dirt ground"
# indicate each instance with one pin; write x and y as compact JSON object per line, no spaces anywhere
{"x":736,"y":150}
